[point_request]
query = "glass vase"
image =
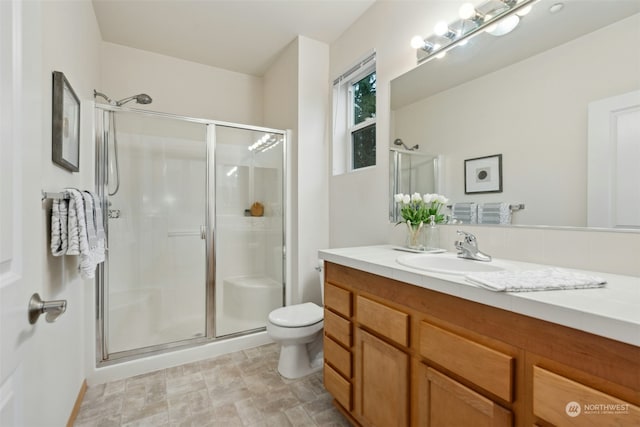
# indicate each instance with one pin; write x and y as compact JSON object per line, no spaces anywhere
{"x":415,"y":236}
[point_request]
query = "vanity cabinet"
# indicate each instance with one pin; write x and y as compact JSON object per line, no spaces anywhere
{"x":402,"y":355}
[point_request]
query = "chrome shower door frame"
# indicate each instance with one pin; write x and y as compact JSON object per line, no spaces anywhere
{"x":103,"y":114}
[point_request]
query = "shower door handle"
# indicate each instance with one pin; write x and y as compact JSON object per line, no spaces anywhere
{"x":203,"y":232}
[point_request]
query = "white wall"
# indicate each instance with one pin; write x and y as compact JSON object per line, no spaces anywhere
{"x":281,"y":112}
{"x":358,"y":201}
{"x":313,"y":167}
{"x":296,"y":88}
{"x":180,"y":87}
{"x":63,"y":36}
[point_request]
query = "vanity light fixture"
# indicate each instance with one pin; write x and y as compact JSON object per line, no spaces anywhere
{"x":496,"y":17}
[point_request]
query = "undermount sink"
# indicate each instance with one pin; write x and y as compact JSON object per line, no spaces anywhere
{"x":448,"y":264}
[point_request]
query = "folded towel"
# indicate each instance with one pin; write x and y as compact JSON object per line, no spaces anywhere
{"x":466,"y":213}
{"x":494,"y":213}
{"x":73,"y":243}
{"x":90,"y":220}
{"x":535,"y":280}
{"x":87,"y":267}
{"x":59,"y":215}
{"x":98,"y":251}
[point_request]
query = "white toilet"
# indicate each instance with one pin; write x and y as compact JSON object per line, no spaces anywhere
{"x":298,"y":329}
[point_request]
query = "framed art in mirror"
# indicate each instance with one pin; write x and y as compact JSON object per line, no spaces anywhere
{"x":483,"y":174}
{"x":65,"y":130}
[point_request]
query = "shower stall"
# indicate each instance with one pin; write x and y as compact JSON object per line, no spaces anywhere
{"x":195,"y":221}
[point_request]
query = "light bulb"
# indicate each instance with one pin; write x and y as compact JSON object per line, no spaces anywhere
{"x":441,"y":29}
{"x":503,"y":27}
{"x":524,"y":11}
{"x":417,"y":42}
{"x":467,"y":11}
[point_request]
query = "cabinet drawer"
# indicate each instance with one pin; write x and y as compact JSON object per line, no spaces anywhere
{"x":384,"y":320}
{"x":337,"y":328}
{"x":337,"y":356}
{"x":481,"y":365}
{"x":337,"y":299}
{"x":557,"y":399}
{"x":337,"y":386}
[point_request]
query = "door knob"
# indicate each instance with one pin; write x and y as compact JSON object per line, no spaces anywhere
{"x":53,"y":308}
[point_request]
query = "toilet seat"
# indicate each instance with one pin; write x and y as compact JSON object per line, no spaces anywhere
{"x":297,"y":316}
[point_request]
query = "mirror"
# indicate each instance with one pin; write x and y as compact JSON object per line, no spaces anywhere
{"x":525,"y":96}
{"x":411,"y":172}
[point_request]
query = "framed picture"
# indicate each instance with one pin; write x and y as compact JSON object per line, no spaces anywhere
{"x":65,"y":129}
{"x":483,"y":175}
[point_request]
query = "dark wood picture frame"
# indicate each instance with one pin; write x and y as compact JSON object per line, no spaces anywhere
{"x":65,"y":129}
{"x":483,"y":175}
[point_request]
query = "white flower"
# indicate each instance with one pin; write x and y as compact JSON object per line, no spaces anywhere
{"x":398,"y":197}
{"x":441,"y":199}
{"x":415,"y":197}
{"x":406,"y":199}
{"x":428,"y":198}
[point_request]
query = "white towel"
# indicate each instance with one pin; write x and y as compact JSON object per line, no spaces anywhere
{"x":87,"y":267}
{"x":99,"y":251}
{"x":535,"y":280}
{"x":466,"y":213}
{"x":494,"y":213}
{"x":59,"y":215}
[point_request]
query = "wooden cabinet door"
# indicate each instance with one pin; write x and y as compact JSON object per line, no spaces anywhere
{"x":443,"y":402}
{"x":382,"y":382}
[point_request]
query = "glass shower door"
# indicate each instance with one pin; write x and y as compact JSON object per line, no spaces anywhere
{"x":249,"y":227}
{"x":156,"y":291}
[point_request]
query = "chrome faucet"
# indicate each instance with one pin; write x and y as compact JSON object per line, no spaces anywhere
{"x":468,"y":248}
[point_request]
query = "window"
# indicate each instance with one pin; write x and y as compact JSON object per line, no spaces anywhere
{"x":354,"y":126}
{"x":363,"y":126}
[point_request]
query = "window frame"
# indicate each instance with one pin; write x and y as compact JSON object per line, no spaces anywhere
{"x":343,"y":134}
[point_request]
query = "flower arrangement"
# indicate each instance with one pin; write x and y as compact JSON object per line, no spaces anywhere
{"x":416,"y":209}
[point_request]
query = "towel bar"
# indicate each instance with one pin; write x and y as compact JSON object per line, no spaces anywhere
{"x":54,"y":195}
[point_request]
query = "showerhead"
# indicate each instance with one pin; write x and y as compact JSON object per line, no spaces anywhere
{"x":142,"y":98}
{"x":400,"y":142}
{"x":102,"y":95}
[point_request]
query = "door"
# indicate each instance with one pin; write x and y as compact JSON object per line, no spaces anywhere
{"x":382,"y":382}
{"x":154,"y":284}
{"x":15,"y":331}
{"x":613,"y":158}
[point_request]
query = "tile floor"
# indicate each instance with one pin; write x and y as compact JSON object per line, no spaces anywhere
{"x":238,"y":389}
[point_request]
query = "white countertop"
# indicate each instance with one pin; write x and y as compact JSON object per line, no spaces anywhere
{"x":612,"y":311}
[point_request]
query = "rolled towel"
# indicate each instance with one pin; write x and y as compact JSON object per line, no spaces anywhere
{"x":534,"y":280}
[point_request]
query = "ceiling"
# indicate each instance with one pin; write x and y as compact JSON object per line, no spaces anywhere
{"x":239,"y":35}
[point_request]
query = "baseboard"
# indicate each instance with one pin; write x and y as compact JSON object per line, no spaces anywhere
{"x":76,"y":407}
